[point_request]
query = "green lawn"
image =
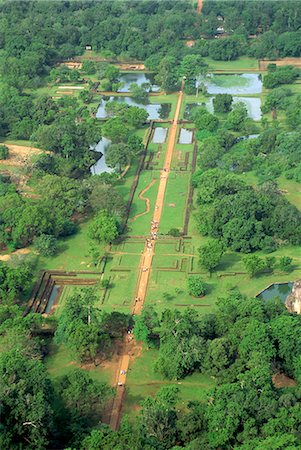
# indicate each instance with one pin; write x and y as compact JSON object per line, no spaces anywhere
{"x":175,"y":202}
{"x":59,"y":362}
{"x":141,"y":225}
{"x":73,"y":253}
{"x":143,"y":381}
{"x":243,"y":63}
{"x":122,"y":272}
{"x":290,"y":189}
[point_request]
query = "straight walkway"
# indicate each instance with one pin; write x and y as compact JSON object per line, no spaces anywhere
{"x":146,"y":260}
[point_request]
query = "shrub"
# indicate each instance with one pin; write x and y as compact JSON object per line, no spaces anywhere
{"x":196,"y":286}
{"x":46,"y":245}
{"x":175,"y":232}
{"x":4,"y":152}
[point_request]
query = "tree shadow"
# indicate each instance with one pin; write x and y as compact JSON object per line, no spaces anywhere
{"x":228,"y":260}
{"x":168,"y":297}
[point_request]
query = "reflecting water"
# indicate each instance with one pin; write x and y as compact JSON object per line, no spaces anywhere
{"x":277,"y":290}
{"x":244,"y":138}
{"x":100,"y":166}
{"x":253,"y":105}
{"x":155,"y":111}
{"x":245,"y":83}
{"x":52,"y":298}
{"x":139,"y":78}
{"x":159,"y":136}
{"x":185,"y":136}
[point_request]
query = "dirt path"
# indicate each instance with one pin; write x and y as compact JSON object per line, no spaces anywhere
{"x":147,"y":256}
{"x":200,"y":6}
{"x":145,"y":199}
{"x":146,"y":264}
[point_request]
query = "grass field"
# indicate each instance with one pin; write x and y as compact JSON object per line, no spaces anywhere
{"x":139,"y":225}
{"x":290,"y":189}
{"x":175,"y":202}
{"x":59,"y":362}
{"x":240,"y":64}
{"x":73,"y":253}
{"x":139,"y":387}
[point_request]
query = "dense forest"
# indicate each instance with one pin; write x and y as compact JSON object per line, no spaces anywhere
{"x":240,"y":345}
{"x":36,"y":34}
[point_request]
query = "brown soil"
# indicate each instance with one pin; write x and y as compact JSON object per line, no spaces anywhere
{"x":200,"y":6}
{"x":281,"y":380}
{"x":263,"y":63}
{"x":123,"y":66}
{"x":79,"y":88}
{"x":64,"y":93}
{"x":190,"y":43}
{"x":19,"y":155}
{"x":125,"y":171}
{"x":72,"y":65}
{"x":21,"y":251}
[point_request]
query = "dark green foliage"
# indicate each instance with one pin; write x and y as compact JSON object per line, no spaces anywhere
{"x":139,"y":93}
{"x":283,"y":75}
{"x":88,"y":67}
{"x":63,"y":74}
{"x":244,"y":218}
{"x":222,"y":103}
{"x":236,"y":119}
{"x":191,"y":69}
{"x":79,"y":402}
{"x":167,"y":74}
{"x":225,"y":49}
{"x":14,"y":281}
{"x":210,"y":255}
{"x":158,"y":418}
{"x":196,"y":286}
{"x":277,"y":99}
{"x":175,"y":232}
{"x":104,"y":196}
{"x":25,"y":393}
{"x":254,"y":264}
{"x":79,"y":326}
{"x":104,"y":227}
{"x":46,"y":245}
{"x":285,"y":263}
{"x":115,"y":130}
{"x":145,"y":325}
{"x":204,"y":120}
{"x":182,"y":347}
{"x":4,"y":152}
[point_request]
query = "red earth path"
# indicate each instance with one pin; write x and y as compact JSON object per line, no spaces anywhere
{"x":145,"y":268}
{"x":200,"y":6}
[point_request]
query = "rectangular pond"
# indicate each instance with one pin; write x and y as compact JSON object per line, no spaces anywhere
{"x":185,"y":136}
{"x":100,"y":165}
{"x":128,"y":78}
{"x":276,"y":290}
{"x":159,"y":136}
{"x":53,"y":297}
{"x":155,"y":111}
{"x":245,"y":83}
{"x":253,"y":105}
